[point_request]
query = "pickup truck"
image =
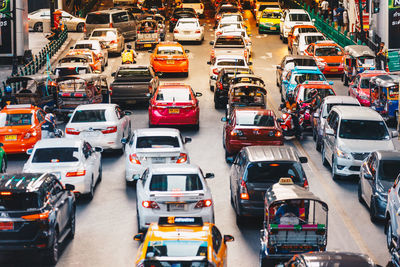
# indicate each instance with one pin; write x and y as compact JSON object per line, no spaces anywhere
{"x":232,"y":44}
{"x":133,"y":84}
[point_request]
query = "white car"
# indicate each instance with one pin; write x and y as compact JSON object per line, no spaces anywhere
{"x":232,"y":25}
{"x":98,"y":48}
{"x":293,"y":17}
{"x":154,"y":146}
{"x":302,"y":41}
{"x":243,"y":32}
{"x":188,"y":29}
{"x":173,"y":190}
{"x":103,"y":125}
{"x":73,"y":161}
{"x":197,"y":5}
{"x":225,"y":61}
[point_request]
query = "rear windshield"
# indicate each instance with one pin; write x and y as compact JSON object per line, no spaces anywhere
{"x":133,"y":73}
{"x":72,"y":85}
{"x":187,"y":24}
{"x":176,"y":248}
{"x":313,"y":39}
{"x":170,"y":50}
{"x":71,"y":71}
{"x":19,"y":201}
{"x":305,"y":62}
{"x":254,"y":118}
{"x":302,"y":77}
{"x":94,"y":18}
{"x":271,"y":15}
{"x":16,"y":119}
{"x":389,"y":170}
{"x":230,"y":41}
{"x":191,"y":1}
{"x":175,"y":182}
{"x":95,"y":115}
{"x":267,"y":172}
{"x":230,"y":9}
{"x":299,"y":17}
{"x":363,"y":129}
{"x":173,"y":95}
{"x":157,"y":142}
{"x":55,"y":155}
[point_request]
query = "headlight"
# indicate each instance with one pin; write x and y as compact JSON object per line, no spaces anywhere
{"x":342,"y":154}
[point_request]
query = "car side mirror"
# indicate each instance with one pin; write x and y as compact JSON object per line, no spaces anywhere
{"x":211,"y":42}
{"x":113,"y":74}
{"x":223,"y":119}
{"x":230,"y":160}
{"x":368,"y":176}
{"x":395,"y":133}
{"x":98,"y":149}
{"x":313,"y":20}
{"x":250,"y":63}
{"x":1,"y":144}
{"x":330,"y":83}
{"x":187,"y":51}
{"x":138,"y":237}
{"x":187,"y":139}
{"x":228,"y":238}
{"x":71,"y":47}
{"x":137,"y":177}
{"x":208,"y":62}
{"x":124,"y":141}
{"x":198,"y":94}
{"x":69,"y":187}
{"x":303,"y":159}
{"x":128,"y":112}
{"x":329,"y":131}
{"x":278,"y":67}
{"x":29,"y":151}
{"x":150,"y":51}
{"x":209,"y":175}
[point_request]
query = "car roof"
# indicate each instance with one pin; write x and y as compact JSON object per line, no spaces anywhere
{"x":18,"y":108}
{"x":334,"y":257}
{"x":169,"y":43}
{"x":28,"y":182}
{"x":359,"y":50}
{"x":306,"y":69}
{"x":341,"y":99}
{"x":72,"y":65}
{"x":176,"y":85}
{"x":388,"y":154}
{"x":95,"y":106}
{"x":57,"y":142}
{"x":157,"y":132}
{"x":357,"y":113}
{"x":268,"y":112}
{"x":271,"y":153}
{"x":133,"y":66}
{"x":174,"y":168}
{"x":297,"y":11}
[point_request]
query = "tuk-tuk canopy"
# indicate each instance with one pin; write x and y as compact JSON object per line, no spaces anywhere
{"x":251,"y":78}
{"x":386,"y":80}
{"x":250,"y":86}
{"x":357,"y":51}
{"x":87,"y":77}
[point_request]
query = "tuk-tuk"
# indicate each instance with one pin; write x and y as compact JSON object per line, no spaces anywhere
{"x":384,"y":95}
{"x":75,"y":90}
{"x":161,"y":23}
{"x":148,"y":35}
{"x":39,"y":89}
{"x":295,"y":221}
{"x":246,"y":95}
{"x":357,"y":59}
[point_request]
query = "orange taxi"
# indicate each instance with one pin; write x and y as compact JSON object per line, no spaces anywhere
{"x":170,"y":57}
{"x":20,"y":127}
{"x":182,"y":241}
{"x":296,"y":30}
{"x":94,"y":60}
{"x":328,"y":55}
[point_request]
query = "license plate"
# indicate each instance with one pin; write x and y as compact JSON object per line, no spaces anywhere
{"x":158,"y":160}
{"x":334,"y":69}
{"x":273,"y":28}
{"x":91,"y":134}
{"x":186,"y":32}
{"x":11,"y":137}
{"x":6,"y":226}
{"x":170,"y":61}
{"x":147,"y":45}
{"x":177,"y":206}
{"x":173,"y":111}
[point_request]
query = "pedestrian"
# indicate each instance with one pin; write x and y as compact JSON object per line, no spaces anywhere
{"x":335,"y":17}
{"x":340,"y":11}
{"x":381,"y":57}
{"x":8,"y":98}
{"x":345,"y":20}
{"x":325,"y":9}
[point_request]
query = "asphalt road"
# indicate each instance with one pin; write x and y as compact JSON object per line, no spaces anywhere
{"x":106,"y":225}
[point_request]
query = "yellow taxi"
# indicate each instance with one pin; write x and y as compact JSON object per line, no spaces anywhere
{"x":179,"y":241}
{"x":270,"y":20}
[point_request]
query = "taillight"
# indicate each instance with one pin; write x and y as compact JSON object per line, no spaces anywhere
{"x":201,"y":6}
{"x":197,"y":31}
{"x":150,"y":205}
{"x":37,"y":216}
{"x":174,"y":19}
{"x":245,"y":53}
{"x":77,"y":173}
{"x":218,"y":33}
{"x":215,"y":71}
{"x":305,"y":184}
{"x":134,"y":159}
{"x":111,"y":129}
{"x":203,"y":204}
{"x":182,"y":158}
{"x":278,"y":134}
{"x":114,"y":41}
{"x":176,"y":31}
{"x":212,"y":53}
{"x":237,"y":133}
{"x":150,"y":89}
{"x":30,"y":134}
{"x":219,"y":86}
{"x":111,"y":25}
{"x":84,"y":28}
{"x":72,"y":131}
{"x":243,"y":191}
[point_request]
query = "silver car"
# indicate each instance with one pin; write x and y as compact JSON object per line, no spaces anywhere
{"x":173,"y":190}
{"x":111,"y":37}
{"x":153,"y":146}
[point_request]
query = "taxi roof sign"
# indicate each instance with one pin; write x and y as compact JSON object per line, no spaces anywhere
{"x":286,"y":181}
{"x":172,"y":220}
{"x":17,"y":106}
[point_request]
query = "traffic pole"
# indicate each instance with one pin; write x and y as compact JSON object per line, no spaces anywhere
{"x":52,"y":9}
{"x":15,"y":58}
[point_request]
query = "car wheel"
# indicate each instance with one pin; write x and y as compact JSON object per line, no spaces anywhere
{"x":284,"y":40}
{"x":324,"y":161}
{"x":38,"y":27}
{"x":72,"y":224}
{"x":100,"y":177}
{"x":335,"y":176}
{"x":389,"y":234}
{"x":80,"y":27}
{"x":196,"y":127}
{"x":317,"y":143}
{"x":90,"y":195}
{"x":372,"y":212}
{"x":263,"y":261}
{"x":211,"y":88}
{"x":140,"y":230}
{"x":186,"y":74}
{"x":240,"y":220}
{"x":227,"y":155}
{"x":3,"y":165}
{"x":359,"y":192}
{"x":53,"y":250}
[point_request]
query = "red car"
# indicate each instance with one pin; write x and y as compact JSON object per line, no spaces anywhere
{"x":250,"y":127}
{"x":359,"y":87}
{"x":174,"y":104}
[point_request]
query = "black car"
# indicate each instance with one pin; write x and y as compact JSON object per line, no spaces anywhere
{"x":331,"y":259}
{"x":36,"y":213}
{"x":154,"y":6}
{"x":377,"y":175}
{"x":180,"y":13}
{"x":255,"y":169}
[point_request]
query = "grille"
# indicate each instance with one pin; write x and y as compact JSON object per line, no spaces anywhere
{"x":354,"y":168}
{"x":360,"y":156}
{"x":334,"y":64}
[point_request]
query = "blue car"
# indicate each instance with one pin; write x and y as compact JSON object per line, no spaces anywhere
{"x":299,"y":75}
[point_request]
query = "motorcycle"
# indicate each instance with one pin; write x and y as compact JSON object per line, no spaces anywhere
{"x":395,"y":259}
{"x":288,"y":125}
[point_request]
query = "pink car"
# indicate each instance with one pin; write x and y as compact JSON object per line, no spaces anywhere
{"x":359,"y":87}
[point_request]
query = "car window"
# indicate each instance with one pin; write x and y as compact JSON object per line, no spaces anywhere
{"x":335,"y":122}
{"x":55,"y":155}
{"x":95,"y":115}
{"x":120,"y":17}
{"x":15,"y":119}
{"x":39,"y":116}
{"x":271,"y":172}
{"x":313,"y":39}
{"x":56,"y":189}
{"x":157,"y":142}
{"x":173,"y":95}
{"x":299,"y":17}
{"x":175,"y":182}
{"x":254,"y":118}
{"x":230,"y":41}
{"x":216,"y":239}
{"x":389,"y":170}
{"x":325,"y":51}
{"x":170,"y":50}
{"x":94,"y":18}
{"x":175,"y":248}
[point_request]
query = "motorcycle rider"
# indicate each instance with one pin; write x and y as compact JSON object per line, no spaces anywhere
{"x":314,"y":99}
{"x":49,"y":126}
{"x":8,"y":98}
{"x":293,"y":108}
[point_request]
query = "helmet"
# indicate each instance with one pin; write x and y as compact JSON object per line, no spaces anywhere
{"x":8,"y":89}
{"x":49,"y":117}
{"x":290,"y":97}
{"x":313,"y":92}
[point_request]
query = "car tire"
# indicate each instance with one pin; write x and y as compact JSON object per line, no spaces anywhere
{"x":264,"y":261}
{"x":227,"y":155}
{"x":3,"y":165}
{"x":196,"y":126}
{"x":72,"y":224}
{"x":324,"y":161}
{"x":80,"y":27}
{"x":211,"y":88}
{"x":52,"y":253}
{"x":372,"y":211}
{"x":359,"y":192}
{"x":100,"y":177}
{"x":335,"y":176}
{"x":90,"y":195}
{"x":284,"y":40}
{"x":140,"y":230}
{"x":389,"y":234}
{"x":38,"y":27}
{"x":317,"y":143}
{"x":186,"y":74}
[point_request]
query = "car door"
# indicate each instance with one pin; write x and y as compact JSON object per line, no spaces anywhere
{"x":40,"y":119}
{"x":120,"y":21}
{"x":218,"y":254}
{"x":59,"y":201}
{"x":329,"y":139}
{"x":89,"y":161}
{"x":122,"y":123}
{"x":370,"y":183}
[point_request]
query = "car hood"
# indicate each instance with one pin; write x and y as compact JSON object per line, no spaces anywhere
{"x":362,"y":146}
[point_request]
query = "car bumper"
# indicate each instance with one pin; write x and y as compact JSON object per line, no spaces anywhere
{"x":190,"y":118}
{"x":114,"y":49}
{"x":178,"y":66}
{"x":106,"y":142}
{"x":251,"y":208}
{"x":347,"y":167}
{"x":332,"y":70}
{"x":16,"y":147}
{"x":268,"y":28}
{"x":132,"y":170}
{"x":41,"y":241}
{"x":234,"y":146}
{"x":188,"y":37}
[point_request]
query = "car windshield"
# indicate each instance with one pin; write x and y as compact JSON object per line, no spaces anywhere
{"x":254,"y":118}
{"x":157,"y":142}
{"x":313,"y":39}
{"x":364,"y":83}
{"x":271,"y":172}
{"x":299,"y":17}
{"x":15,"y":119}
{"x":71,"y":71}
{"x":328,"y":107}
{"x":322,"y":93}
{"x":73,"y":59}
{"x":302,"y":77}
{"x":133,"y":73}
{"x":328,"y":51}
{"x":176,"y":248}
{"x":55,"y":155}
{"x":305,"y":30}
{"x":363,"y":129}
{"x":170,"y":50}
{"x":389,"y":170}
{"x":271,"y":15}
{"x":175,"y":182}
{"x":19,"y":201}
{"x":94,"y":115}
{"x":230,"y":41}
{"x":236,"y":62}
{"x":173,"y":95}
{"x":106,"y":34}
{"x":305,"y":62}
{"x":94,"y":18}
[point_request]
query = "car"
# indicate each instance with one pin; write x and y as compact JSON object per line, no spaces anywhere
{"x":293,"y":17}
{"x":197,"y":5}
{"x":161,"y":24}
{"x":94,"y":61}
{"x":155,"y":6}
{"x":318,"y":118}
{"x":250,"y":127}
{"x":377,"y":175}
{"x":40,"y":214}
{"x":20,"y":127}
{"x":225,"y":61}
{"x":184,"y":241}
{"x":255,"y":169}
{"x":289,"y":62}
{"x":189,"y":29}
{"x":232,"y":44}
{"x":38,"y":17}
{"x":102,"y":125}
{"x":296,"y":30}
{"x":111,"y":37}
{"x":303,"y":40}
{"x":180,"y":13}
{"x":225,"y":8}
{"x":170,"y":57}
{"x":173,"y":190}
{"x":236,"y":17}
{"x":302,"y":91}
{"x":350,"y":134}
{"x":174,"y":104}
{"x":269,"y":20}
{"x":96,"y":46}
{"x":154,"y":146}
{"x":72,"y":161}
{"x":66,"y":69}
{"x":261,"y":6}
{"x":392,"y":222}
{"x":329,"y":56}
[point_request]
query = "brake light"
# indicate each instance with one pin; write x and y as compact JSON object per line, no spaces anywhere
{"x":201,"y":6}
{"x":111,"y":129}
{"x":237,"y":133}
{"x":243,"y":190}
{"x":37,"y":216}
{"x":197,"y":31}
{"x":218,"y":33}
{"x":114,"y":41}
{"x":134,"y":159}
{"x":5,"y":194}
{"x":77,"y":173}
{"x":72,"y":131}
{"x":150,"y":205}
{"x":245,"y":53}
{"x":111,"y":25}
{"x":305,"y":184}
{"x":219,"y":86}
{"x":84,"y":28}
{"x":203,"y":204}
{"x":215,"y":71}
{"x":182,"y":158}
{"x":174,"y":19}
{"x":176,"y":31}
{"x":212,"y":53}
{"x":284,"y":116}
{"x":278,"y":134}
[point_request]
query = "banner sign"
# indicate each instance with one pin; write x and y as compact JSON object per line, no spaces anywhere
{"x":5,"y":28}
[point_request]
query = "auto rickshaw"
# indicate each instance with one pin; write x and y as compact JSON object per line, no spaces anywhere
{"x":357,"y":59}
{"x":295,"y":221}
{"x":384,"y":95}
{"x":246,"y":95}
{"x":39,"y":90}
{"x":148,"y":35}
